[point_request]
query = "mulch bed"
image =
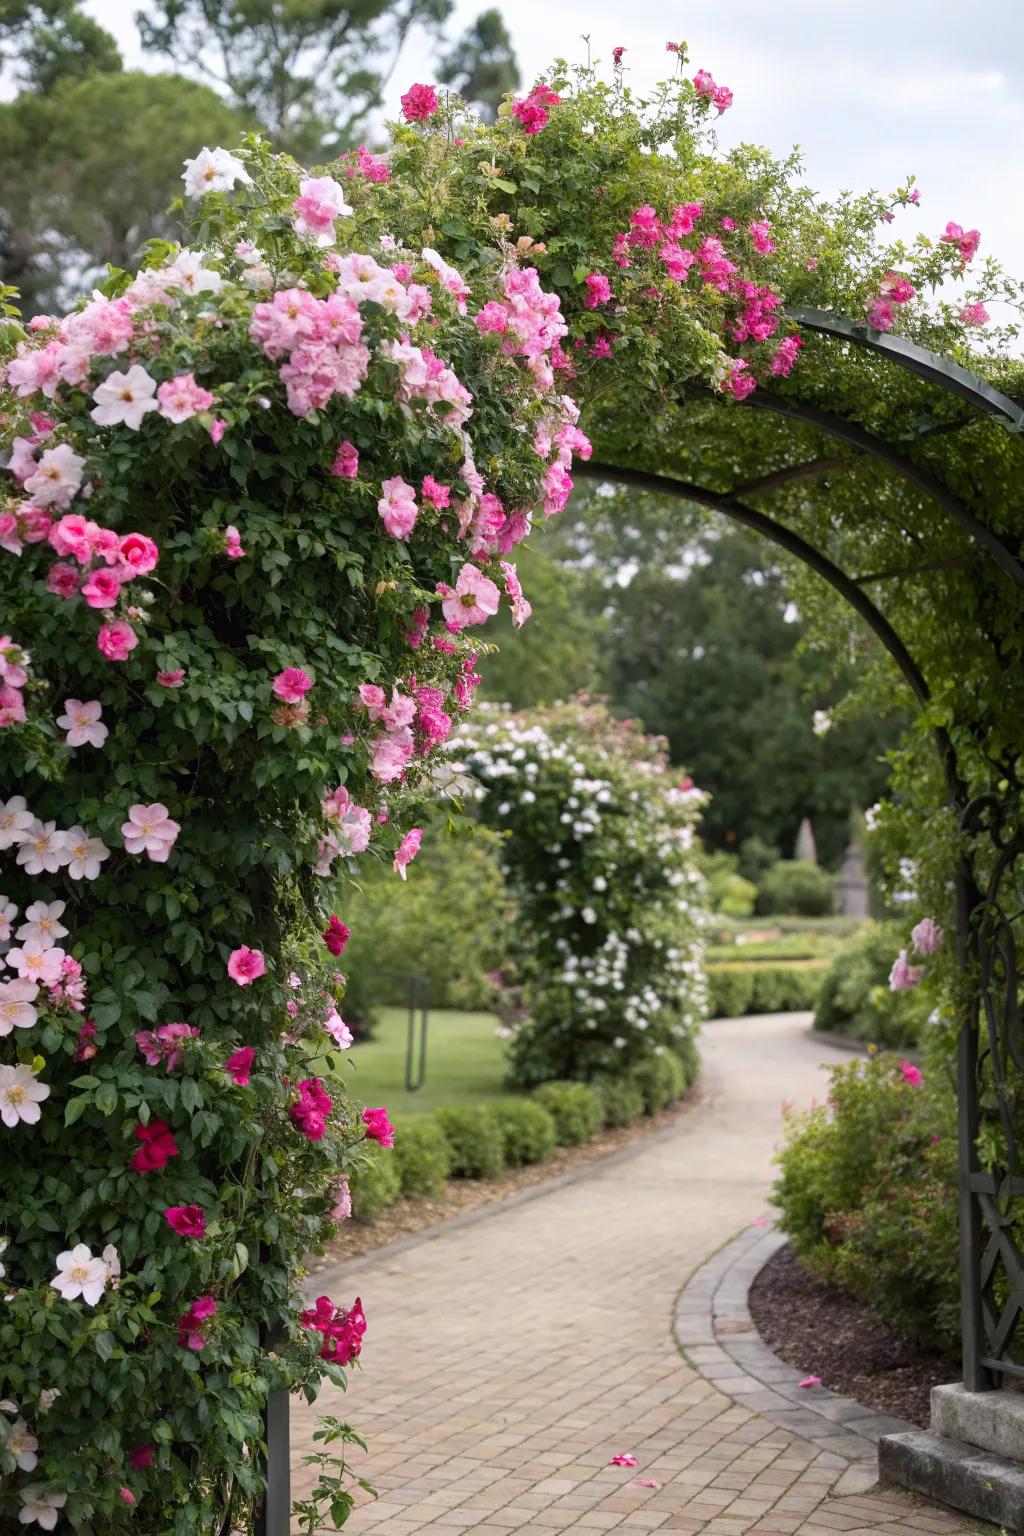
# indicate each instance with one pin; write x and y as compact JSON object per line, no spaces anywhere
{"x":826,"y":1333}
{"x":459,"y":1195}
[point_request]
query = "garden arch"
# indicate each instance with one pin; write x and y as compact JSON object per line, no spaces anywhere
{"x":990,"y":1040}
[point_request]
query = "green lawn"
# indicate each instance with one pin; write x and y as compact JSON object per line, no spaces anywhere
{"x":465,"y":1062}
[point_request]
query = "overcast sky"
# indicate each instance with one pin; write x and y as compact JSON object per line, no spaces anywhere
{"x":870,"y":89}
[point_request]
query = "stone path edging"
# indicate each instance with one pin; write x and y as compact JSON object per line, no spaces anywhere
{"x":717,"y":1335}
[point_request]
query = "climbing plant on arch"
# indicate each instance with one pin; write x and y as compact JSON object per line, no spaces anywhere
{"x":259,"y":493}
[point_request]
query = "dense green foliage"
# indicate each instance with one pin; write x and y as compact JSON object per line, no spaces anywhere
{"x":528,"y":1130}
{"x":422,"y":1156}
{"x":868,"y":1198}
{"x":475,"y":1140}
{"x":600,"y":857}
{"x":797,"y":887}
{"x":575,"y":1108}
{"x":855,"y":998}
{"x":763,"y":986}
{"x":450,"y":925}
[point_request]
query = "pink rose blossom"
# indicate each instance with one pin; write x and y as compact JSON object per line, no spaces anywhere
{"x":379,"y":1127}
{"x":911,"y":1074}
{"x":156,"y":1147}
{"x":419,"y":103}
{"x":245,"y":965}
{"x":239,"y":1065}
{"x":165,"y":1044}
{"x":186,"y":1220}
{"x":309,"y":1114}
{"x":599,"y":290}
{"x":617,"y":55}
{"x":341,"y":1210}
{"x":292,"y":684}
{"x":150,"y":830}
{"x":192,"y":1324}
{"x":102,"y":587}
{"x":233,"y":543}
{"x":137,"y":554}
{"x":182,"y":397}
{"x":438,"y":495}
{"x":127,"y":1497}
{"x":974,"y":314}
{"x":217,"y":429}
{"x":408,"y":848}
{"x":336,"y":935}
{"x":117,"y":640}
{"x":966,"y":241}
{"x":171,"y":679}
{"x":397,"y":507}
{"x":760,"y":233}
{"x":81,"y":721}
{"x":474,"y":600}
{"x":338,"y":1030}
{"x":926,"y":937}
{"x":904,"y":977}
{"x":141,"y":1457}
{"x":346,"y":462}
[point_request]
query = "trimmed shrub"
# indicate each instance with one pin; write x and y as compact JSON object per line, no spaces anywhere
{"x":728,"y":891}
{"x":793,"y":885}
{"x":475,"y":1140}
{"x":528,"y":1129}
{"x":661,"y":1080}
{"x":855,"y":999}
{"x":688,"y":1056}
{"x":622,"y":1099}
{"x":731,"y":988}
{"x":868,"y":1193}
{"x":742,"y":987}
{"x":423,"y":1156}
{"x":376,"y":1184}
{"x":577,"y":1111}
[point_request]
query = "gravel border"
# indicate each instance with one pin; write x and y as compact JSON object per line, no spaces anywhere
{"x":717,"y":1335}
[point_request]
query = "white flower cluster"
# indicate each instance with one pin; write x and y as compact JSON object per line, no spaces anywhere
{"x":600,"y":848}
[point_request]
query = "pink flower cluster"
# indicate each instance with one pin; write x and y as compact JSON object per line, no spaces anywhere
{"x":393,"y":746}
{"x":893,"y":289}
{"x":319,"y":205}
{"x":379,"y":1127}
{"x":104,"y":328}
{"x":192,"y":1324}
{"x":165,"y":1044}
{"x":427,"y":379}
{"x":320,"y":339}
{"x":349,"y":829}
{"x":342,"y":1331}
{"x":309,"y":1113}
{"x":719,"y":96}
{"x":532,"y":111}
{"x":966,"y":241}
{"x":14,"y":662}
{"x":530,"y":323}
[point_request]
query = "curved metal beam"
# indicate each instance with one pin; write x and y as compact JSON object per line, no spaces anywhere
{"x":786,"y":539}
{"x":918,"y":360}
{"x":836,"y":426}
{"x":816,"y":561}
{"x":807,"y":471}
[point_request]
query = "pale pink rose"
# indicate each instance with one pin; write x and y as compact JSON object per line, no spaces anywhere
{"x":182,"y":397}
{"x":397,"y":507}
{"x":217,"y":429}
{"x":150,"y":830}
{"x":408,"y":848}
{"x":341,"y":1210}
{"x":233,"y":543}
{"x":56,"y":477}
{"x":926,"y":937}
{"x":245,"y":965}
{"x":904,"y":977}
{"x":124,"y":398}
{"x":82,"y":723}
{"x":474,"y":600}
{"x":338,"y":1030}
{"x":171,"y":679}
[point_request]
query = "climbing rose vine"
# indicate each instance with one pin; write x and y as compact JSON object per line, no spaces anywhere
{"x":259,"y":499}
{"x":600,"y":836}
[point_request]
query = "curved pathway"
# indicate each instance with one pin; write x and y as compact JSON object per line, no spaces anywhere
{"x":508,"y":1360}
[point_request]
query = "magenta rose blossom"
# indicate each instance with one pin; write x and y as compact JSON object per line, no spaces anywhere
{"x":157,"y":1147}
{"x":192,"y":1324}
{"x":379,"y":1127}
{"x":186,"y":1220}
{"x":291,"y":684}
{"x":239,"y":1065}
{"x":419,"y":103}
{"x":336,"y":935}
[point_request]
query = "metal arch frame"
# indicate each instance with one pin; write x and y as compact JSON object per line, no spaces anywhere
{"x":983,"y":930}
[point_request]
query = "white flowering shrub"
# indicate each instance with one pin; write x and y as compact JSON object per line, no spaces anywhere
{"x":600,"y":836}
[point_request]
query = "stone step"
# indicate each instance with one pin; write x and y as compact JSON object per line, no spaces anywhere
{"x":984,"y":1485}
{"x":992,"y":1420}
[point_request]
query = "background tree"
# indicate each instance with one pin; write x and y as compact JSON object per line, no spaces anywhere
{"x":482,"y":66}
{"x":44,"y":41}
{"x":691,"y":625}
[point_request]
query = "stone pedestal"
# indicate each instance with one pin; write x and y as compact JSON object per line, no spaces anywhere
{"x":972,"y":1456}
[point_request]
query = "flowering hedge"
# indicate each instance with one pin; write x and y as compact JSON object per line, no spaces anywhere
{"x":246,"y":546}
{"x":600,"y":836}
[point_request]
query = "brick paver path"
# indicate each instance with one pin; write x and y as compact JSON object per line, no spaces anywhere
{"x":507,"y":1361}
